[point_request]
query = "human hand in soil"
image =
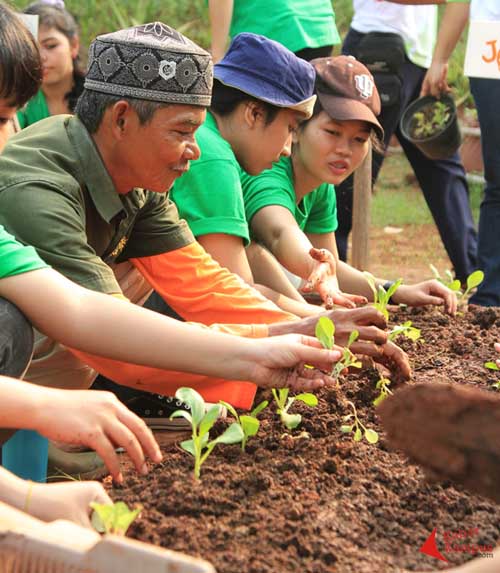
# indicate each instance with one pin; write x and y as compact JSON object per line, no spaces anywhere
{"x":65,"y":500}
{"x":435,"y":82}
{"x":430,"y":292}
{"x":97,"y":420}
{"x":368,"y":321}
{"x":323,"y":279}
{"x":390,"y":356}
{"x":497,"y":348}
{"x":282,"y":363}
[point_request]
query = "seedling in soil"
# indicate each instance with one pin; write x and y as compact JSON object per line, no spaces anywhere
{"x":325,"y":333}
{"x":383,"y":386}
{"x":115,"y":518}
{"x":406,"y":329}
{"x":248,"y":422}
{"x":432,"y":119}
{"x":450,"y":282}
{"x":473,"y":281}
{"x":357,"y":428}
{"x":283,"y":401}
{"x":202,"y":422}
{"x":493,"y":366}
{"x":381,"y":297}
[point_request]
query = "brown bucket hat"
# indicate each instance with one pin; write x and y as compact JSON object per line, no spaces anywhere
{"x":346,"y":90}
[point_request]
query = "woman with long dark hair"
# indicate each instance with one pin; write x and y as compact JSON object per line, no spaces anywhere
{"x":62,"y":76}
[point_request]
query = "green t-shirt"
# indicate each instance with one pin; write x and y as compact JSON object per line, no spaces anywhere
{"x":16,"y":259}
{"x":316,"y":213}
{"x":297,"y":24}
{"x":56,"y":194}
{"x":209,"y":195}
{"x":35,"y":110}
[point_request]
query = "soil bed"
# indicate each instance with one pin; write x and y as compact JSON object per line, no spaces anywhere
{"x":324,"y":504}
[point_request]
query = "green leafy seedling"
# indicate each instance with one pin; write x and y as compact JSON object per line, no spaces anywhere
{"x":407,"y":330}
{"x":249,"y":423}
{"x":493,"y":366}
{"x":283,"y":401}
{"x":357,"y":428}
{"x":432,"y":119}
{"x":325,"y":333}
{"x":115,"y":518}
{"x":450,"y":282}
{"x":382,"y":385}
{"x":473,"y":281}
{"x":202,"y":421}
{"x":381,"y":297}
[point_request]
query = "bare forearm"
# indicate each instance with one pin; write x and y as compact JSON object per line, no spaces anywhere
{"x":291,"y":248}
{"x":296,"y":307}
{"x":220,"y":13}
{"x":353,"y":281}
{"x":454,"y":19}
{"x":13,"y":490}
{"x":19,"y":402}
{"x":103,"y":325}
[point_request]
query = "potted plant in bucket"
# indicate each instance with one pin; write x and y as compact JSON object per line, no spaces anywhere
{"x":431,"y":124}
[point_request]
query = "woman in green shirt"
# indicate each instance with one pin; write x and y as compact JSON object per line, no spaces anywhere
{"x":291,"y":208}
{"x":63,"y":79}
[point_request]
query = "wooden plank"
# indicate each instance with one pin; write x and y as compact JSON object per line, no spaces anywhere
{"x":361,"y":214}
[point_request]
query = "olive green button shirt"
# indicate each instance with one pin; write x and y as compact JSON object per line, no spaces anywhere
{"x":56,"y":194}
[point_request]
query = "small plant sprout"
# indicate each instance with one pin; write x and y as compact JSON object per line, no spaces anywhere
{"x":432,"y":119}
{"x":493,"y":366}
{"x":357,"y":428}
{"x":325,"y":333}
{"x":202,"y":421}
{"x":450,"y":282}
{"x":249,"y":423}
{"x":473,"y":281}
{"x":283,"y":401}
{"x":406,"y":329}
{"x":115,"y":518}
{"x":381,"y":297}
{"x":382,"y":385}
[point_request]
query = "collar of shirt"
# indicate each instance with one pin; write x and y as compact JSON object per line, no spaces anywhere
{"x":97,"y":179}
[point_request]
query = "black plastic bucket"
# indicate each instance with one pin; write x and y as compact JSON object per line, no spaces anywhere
{"x":439,"y":145}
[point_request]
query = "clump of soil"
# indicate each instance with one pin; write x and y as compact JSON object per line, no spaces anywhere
{"x":321,"y":503}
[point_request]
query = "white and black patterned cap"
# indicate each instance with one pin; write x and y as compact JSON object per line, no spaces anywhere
{"x":152,"y":62}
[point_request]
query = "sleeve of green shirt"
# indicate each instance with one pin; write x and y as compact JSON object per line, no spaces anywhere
{"x":323,"y":211}
{"x":157,"y":229}
{"x":54,"y":224}
{"x":210,"y":198}
{"x":264,"y":190}
{"x":16,"y":259}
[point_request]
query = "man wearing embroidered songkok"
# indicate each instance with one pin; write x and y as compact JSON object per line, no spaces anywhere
{"x":90,"y":193}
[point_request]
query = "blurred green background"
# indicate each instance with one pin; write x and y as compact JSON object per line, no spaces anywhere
{"x":191,"y":17}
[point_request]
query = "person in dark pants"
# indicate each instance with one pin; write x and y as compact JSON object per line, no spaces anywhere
{"x":442,"y":182}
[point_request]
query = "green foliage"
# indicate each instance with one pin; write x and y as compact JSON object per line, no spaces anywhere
{"x":473,"y":281}
{"x":202,"y":421}
{"x":381,"y":297}
{"x":325,"y":333}
{"x":407,"y":330}
{"x":432,"y":118}
{"x":382,"y":385}
{"x":357,"y":428}
{"x":248,"y":422}
{"x":450,"y":282}
{"x":283,"y":402}
{"x":115,"y":518}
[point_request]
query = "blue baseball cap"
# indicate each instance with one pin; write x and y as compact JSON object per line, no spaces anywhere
{"x":268,"y":71}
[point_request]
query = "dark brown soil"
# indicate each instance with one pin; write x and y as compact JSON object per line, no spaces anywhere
{"x":323,"y":503}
